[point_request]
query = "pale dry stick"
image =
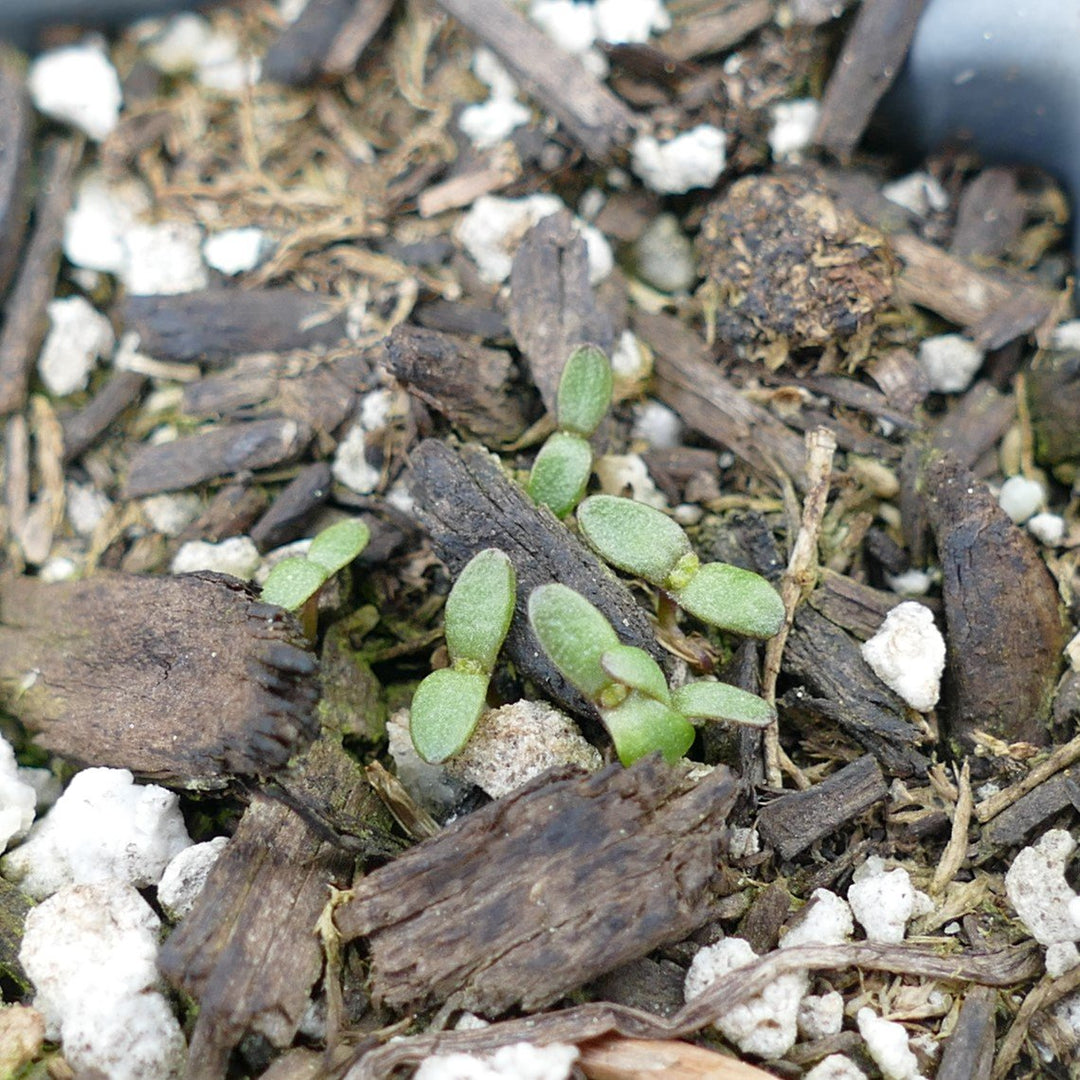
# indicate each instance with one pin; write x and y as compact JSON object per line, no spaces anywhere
{"x":1048,"y":991}
{"x":952,"y":858}
{"x":637,"y":1059}
{"x":1060,"y":759}
{"x":799,"y":578}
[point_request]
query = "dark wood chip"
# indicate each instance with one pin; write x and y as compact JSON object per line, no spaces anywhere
{"x":295,"y":58}
{"x":231,"y":512}
{"x":870,"y":60}
{"x":968,"y":1052}
{"x":223,"y":451}
{"x":469,"y":384}
{"x":83,"y":428}
{"x":841,"y":688}
{"x":990,"y":215}
{"x":1017,"y":823}
{"x":467,"y":504}
{"x":793,"y":822}
{"x":16,"y":129}
{"x":25,"y":318}
{"x":289,"y":514}
{"x":185,"y":679}
{"x":216,"y":325}
{"x":552,"y":305}
{"x":595,"y":118}
{"x":248,"y":952}
{"x":1004,"y":624}
{"x":853,"y":605}
{"x":552,"y":886}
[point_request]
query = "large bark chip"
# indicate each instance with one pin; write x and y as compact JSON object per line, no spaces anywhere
{"x":185,"y":679}
{"x":544,"y":890}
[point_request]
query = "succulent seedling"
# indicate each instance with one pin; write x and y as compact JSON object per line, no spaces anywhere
{"x":642,"y":541}
{"x":448,"y":703}
{"x":561,"y":470}
{"x":295,"y":582}
{"x":626,"y":685}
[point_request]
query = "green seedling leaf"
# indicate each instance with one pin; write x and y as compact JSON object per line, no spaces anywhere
{"x":293,"y":581}
{"x":733,"y":599}
{"x":634,"y":537}
{"x":479,"y":609}
{"x":574,"y":634}
{"x":642,"y":724}
{"x":635,"y":668}
{"x":561,"y":473}
{"x":338,"y":545}
{"x":445,"y":709}
{"x":584,"y":394}
{"x":709,"y":700}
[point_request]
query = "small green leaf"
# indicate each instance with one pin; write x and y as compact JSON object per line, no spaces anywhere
{"x":635,"y":668}
{"x":642,"y":724}
{"x":444,"y":712}
{"x":733,"y":599}
{"x":337,"y":545}
{"x":721,"y":701}
{"x":584,"y":394}
{"x":561,"y":473}
{"x":632,"y":536}
{"x":574,"y":634}
{"x":479,"y":609}
{"x":292,"y":581}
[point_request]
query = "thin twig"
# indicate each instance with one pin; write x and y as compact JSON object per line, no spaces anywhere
{"x":1060,"y":759}
{"x":952,"y":858}
{"x":1048,"y":991}
{"x":798,"y":580}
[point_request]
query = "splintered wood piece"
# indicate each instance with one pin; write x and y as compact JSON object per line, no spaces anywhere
{"x":248,"y":952}
{"x":840,"y":687}
{"x":467,"y":504}
{"x":642,"y":1059}
{"x":228,"y":449}
{"x":715,"y":31}
{"x":215,"y":325}
{"x":969,"y":1050}
{"x":868,"y":63}
{"x":184,"y":679}
{"x":596,"y":119}
{"x":467,"y":383}
{"x":552,"y":305}
{"x":1004,"y":624}
{"x":16,"y":131}
{"x":852,"y":605}
{"x":545,"y":889}
{"x":1018,"y":821}
{"x":993,"y":312}
{"x":25,"y":320}
{"x":688,"y":381}
{"x":793,"y":822}
{"x":83,"y":428}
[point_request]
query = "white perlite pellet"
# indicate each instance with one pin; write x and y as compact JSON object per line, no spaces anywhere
{"x":908,"y":654}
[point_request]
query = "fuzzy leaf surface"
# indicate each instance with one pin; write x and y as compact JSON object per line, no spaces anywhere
{"x":635,"y":668}
{"x":479,"y":608}
{"x":561,"y":473}
{"x":710,"y":700}
{"x":632,"y":536}
{"x":641,"y":725}
{"x":574,"y":634}
{"x":733,"y":599}
{"x":338,"y":545}
{"x":293,"y":581}
{"x":444,"y":712}
{"x":584,"y":393}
